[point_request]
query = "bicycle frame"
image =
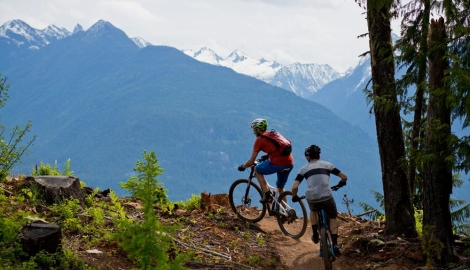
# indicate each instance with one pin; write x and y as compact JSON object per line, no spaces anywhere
{"x":323,"y":222}
{"x":274,"y":195}
{"x":245,"y":196}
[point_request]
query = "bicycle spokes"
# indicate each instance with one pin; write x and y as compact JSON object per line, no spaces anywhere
{"x":244,"y":197}
{"x":292,"y":217}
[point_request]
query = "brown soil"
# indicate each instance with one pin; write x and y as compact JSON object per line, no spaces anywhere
{"x":222,"y":241}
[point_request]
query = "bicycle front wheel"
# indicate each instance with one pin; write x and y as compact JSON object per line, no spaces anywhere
{"x":325,"y":249}
{"x":244,"y":197}
{"x":291,"y":216}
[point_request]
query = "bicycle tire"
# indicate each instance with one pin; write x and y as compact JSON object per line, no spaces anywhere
{"x":295,"y":224}
{"x":325,"y":249}
{"x":251,"y":209}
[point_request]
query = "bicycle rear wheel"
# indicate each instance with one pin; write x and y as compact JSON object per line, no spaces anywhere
{"x":292,"y":216}
{"x":244,"y":197}
{"x":325,"y":249}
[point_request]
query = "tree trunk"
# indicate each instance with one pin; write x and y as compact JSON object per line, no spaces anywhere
{"x":399,"y":210}
{"x":437,"y":184}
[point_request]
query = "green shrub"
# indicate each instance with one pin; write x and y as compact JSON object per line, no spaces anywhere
{"x":145,"y":185}
{"x":191,"y":203}
{"x":148,"y":242}
{"x":419,"y":221}
{"x":47,"y":169}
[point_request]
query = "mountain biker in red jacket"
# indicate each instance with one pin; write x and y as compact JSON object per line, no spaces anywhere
{"x":282,"y":165}
{"x":317,"y":172}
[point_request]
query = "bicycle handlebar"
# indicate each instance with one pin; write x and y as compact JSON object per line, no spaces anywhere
{"x":336,"y":187}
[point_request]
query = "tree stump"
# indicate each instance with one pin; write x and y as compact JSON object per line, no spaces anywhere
{"x":54,"y":189}
{"x":212,"y":202}
{"x":38,"y":237}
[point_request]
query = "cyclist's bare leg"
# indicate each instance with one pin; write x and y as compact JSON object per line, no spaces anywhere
{"x":314,"y":217}
{"x":334,"y":226}
{"x":262,"y":182}
{"x":314,"y":222}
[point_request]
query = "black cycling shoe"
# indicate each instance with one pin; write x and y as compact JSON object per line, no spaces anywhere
{"x":337,"y":252}
{"x":315,"y":238}
{"x":265,"y":199}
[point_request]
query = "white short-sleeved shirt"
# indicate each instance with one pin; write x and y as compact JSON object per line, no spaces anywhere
{"x":317,"y":174}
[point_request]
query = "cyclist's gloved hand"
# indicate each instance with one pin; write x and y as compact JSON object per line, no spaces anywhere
{"x":295,"y":199}
{"x":341,"y":184}
{"x":240,"y":168}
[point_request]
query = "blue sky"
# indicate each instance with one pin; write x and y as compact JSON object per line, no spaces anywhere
{"x":287,"y":31}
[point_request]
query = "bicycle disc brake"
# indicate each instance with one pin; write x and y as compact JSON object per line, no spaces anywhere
{"x":291,"y":215}
{"x":246,"y":201}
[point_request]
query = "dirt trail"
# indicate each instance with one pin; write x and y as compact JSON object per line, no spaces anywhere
{"x":298,"y":254}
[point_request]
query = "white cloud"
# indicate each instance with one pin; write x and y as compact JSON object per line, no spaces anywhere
{"x":287,"y":31}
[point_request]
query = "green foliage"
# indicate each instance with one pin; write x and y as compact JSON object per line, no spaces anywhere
{"x":191,"y":203}
{"x":8,"y":229}
{"x":374,"y":213}
{"x":419,"y":221}
{"x":69,"y":210}
{"x":51,"y":261}
{"x":119,"y":208}
{"x":145,"y":185}
{"x":432,"y":247}
{"x":9,"y":247}
{"x":32,"y":194}
{"x":89,"y":199}
{"x":47,"y":169}
{"x":148,"y":242}
{"x":254,"y":259}
{"x":459,"y":216}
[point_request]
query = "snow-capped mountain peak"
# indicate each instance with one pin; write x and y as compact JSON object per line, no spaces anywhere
{"x":21,"y":34}
{"x":205,"y":55}
{"x":302,"y":79}
{"x":17,"y":27}
{"x":140,"y":42}
{"x":237,"y":56}
{"x":99,"y":26}
{"x":53,"y":30}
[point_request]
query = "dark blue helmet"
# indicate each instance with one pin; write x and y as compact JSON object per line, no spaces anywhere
{"x":312,"y":151}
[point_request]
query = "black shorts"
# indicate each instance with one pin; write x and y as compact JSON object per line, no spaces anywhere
{"x":329,"y":206}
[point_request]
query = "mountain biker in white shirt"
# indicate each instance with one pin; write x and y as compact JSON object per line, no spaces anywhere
{"x":317,"y":172}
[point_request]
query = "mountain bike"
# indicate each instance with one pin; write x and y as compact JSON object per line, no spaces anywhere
{"x":326,"y":241}
{"x":244,"y":197}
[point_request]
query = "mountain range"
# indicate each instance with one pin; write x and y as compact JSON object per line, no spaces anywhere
{"x":100,"y":98}
{"x":301,"y":79}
